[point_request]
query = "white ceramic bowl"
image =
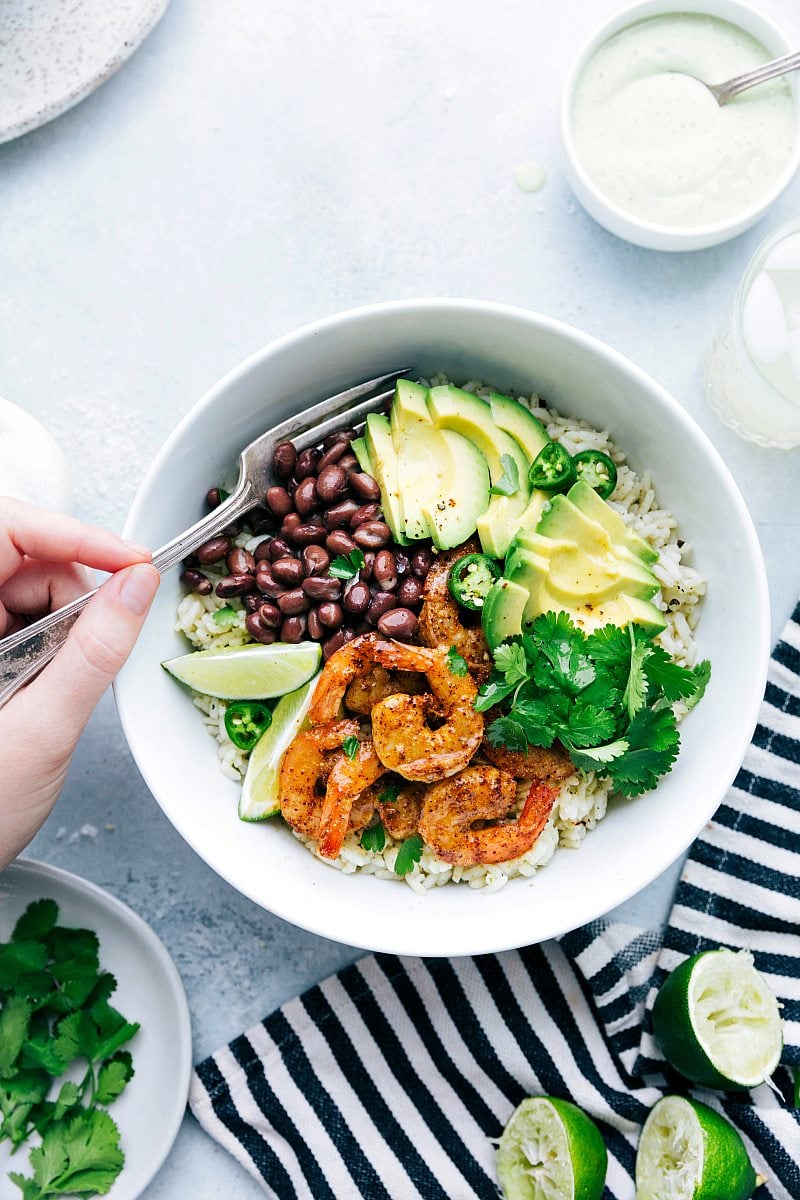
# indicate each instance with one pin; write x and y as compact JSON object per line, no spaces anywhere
{"x":638,"y":839}
{"x":618,"y":220}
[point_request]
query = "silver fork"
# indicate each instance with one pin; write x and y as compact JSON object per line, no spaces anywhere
{"x":24,"y":654}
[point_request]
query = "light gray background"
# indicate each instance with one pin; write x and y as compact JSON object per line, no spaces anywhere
{"x":258,"y":164}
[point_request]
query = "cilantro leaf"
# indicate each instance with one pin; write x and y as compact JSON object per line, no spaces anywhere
{"x":591,"y":759}
{"x":389,"y":792}
{"x":36,"y":922}
{"x":456,"y":664}
{"x":673,"y":681}
{"x":702,"y":675}
{"x":350,"y":746}
{"x":14,"y":1020}
{"x":588,"y":725}
{"x":506,"y":731}
{"x":80,"y":1155}
{"x":347,"y":566}
{"x":492,"y":692}
{"x":510,"y":660}
{"x":113,"y":1076}
{"x":225,"y":615}
{"x":408,"y":855}
{"x":637,"y":687}
{"x":508,"y":483}
{"x":653,"y":743}
{"x":373,"y":837}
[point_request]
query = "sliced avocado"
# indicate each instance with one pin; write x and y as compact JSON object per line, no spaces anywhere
{"x":423,"y":468}
{"x":530,"y":518}
{"x":587,"y":500}
{"x":409,"y":404}
{"x":576,"y":576}
{"x":503,"y":610}
{"x":359,"y":448}
{"x":520,"y":422}
{"x":464,"y":413}
{"x":562,"y":519}
{"x":382,"y":456}
{"x":454,"y":514}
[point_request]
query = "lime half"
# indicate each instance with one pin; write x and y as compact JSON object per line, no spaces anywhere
{"x":248,"y":672}
{"x":550,"y":1150}
{"x":689,"y":1152}
{"x":259,"y":798}
{"x":717,"y":1021}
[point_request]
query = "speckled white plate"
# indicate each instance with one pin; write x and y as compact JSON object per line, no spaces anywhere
{"x":54,"y":53}
{"x":149,"y":990}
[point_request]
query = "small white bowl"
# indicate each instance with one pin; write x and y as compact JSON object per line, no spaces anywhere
{"x":618,"y":220}
{"x":511,"y":348}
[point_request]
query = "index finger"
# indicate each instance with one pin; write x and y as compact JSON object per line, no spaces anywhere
{"x":26,"y":530}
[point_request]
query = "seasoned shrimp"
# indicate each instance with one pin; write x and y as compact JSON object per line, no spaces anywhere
{"x":375,"y":685}
{"x":307,"y":765}
{"x":404,"y":740}
{"x":400,"y":816}
{"x":349,"y":778}
{"x":550,"y":766}
{"x":452,"y":809}
{"x":355,"y":659}
{"x":440,"y":620}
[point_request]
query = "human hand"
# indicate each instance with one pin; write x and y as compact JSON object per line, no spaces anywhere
{"x":42,"y":560}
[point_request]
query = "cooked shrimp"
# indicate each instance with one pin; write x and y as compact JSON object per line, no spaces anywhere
{"x":549,"y":766}
{"x":451,"y":810}
{"x":307,"y":765}
{"x":440,"y":620}
{"x":355,"y":659}
{"x":347,"y":781}
{"x":375,"y":685}
{"x":405,"y":742}
{"x":400,"y":816}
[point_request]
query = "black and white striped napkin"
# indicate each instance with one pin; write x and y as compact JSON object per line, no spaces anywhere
{"x":390,"y":1080}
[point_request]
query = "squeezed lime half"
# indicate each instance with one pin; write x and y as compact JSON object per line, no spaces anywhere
{"x":259,"y":798}
{"x":689,"y":1152}
{"x":248,"y":672}
{"x":551,"y":1150}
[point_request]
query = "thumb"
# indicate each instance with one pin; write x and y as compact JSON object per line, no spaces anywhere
{"x":96,"y":648}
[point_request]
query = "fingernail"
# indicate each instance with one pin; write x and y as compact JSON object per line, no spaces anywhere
{"x":137,"y":549}
{"x":138,"y":588}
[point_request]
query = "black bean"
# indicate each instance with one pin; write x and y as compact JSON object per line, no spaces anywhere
{"x":284,"y":457}
{"x":398,"y":623}
{"x":385,"y":571}
{"x":372,"y":535}
{"x":260,"y":519}
{"x":290,"y":522}
{"x":333,"y":644}
{"x":330,"y":614}
{"x":340,"y":542}
{"x":270,"y":615}
{"x":365,"y":512}
{"x":348,"y":463}
{"x":341,"y":435}
{"x":306,"y":463}
{"x":234,"y":585}
{"x":258,"y":630}
{"x":339,"y":515}
{"x":316,"y":560}
{"x":196,"y":581}
{"x":320,"y":587}
{"x":279,"y":501}
{"x":288,"y":570}
{"x":241,"y":561}
{"x":364,"y":485}
{"x":251,"y":601}
{"x":263,"y":550}
{"x":421,"y":562}
{"x":305,"y":535}
{"x":331,"y":484}
{"x":349,"y":633}
{"x":410,"y":591}
{"x":332,"y":452}
{"x":380,"y":603}
{"x":316,"y":630}
{"x":293,"y":602}
{"x":233,"y":530}
{"x":365,"y":574}
{"x":267,"y":583}
{"x":356,"y":598}
{"x":214,"y":550}
{"x":279,"y":548}
{"x":305,"y":497}
{"x":293,"y":629}
{"x":191,"y":560}
{"x":403,"y":563}
{"x":213,"y":498}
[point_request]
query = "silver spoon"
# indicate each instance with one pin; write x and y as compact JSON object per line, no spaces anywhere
{"x":723,"y":92}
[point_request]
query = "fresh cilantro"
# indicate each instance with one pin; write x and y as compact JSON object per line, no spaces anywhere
{"x":350,"y":746}
{"x":54,"y":1013}
{"x":456,"y":664}
{"x":346,"y":566}
{"x":225,"y":616}
{"x":606,"y":696}
{"x":389,"y":792}
{"x":408,"y":855}
{"x":508,"y":483}
{"x":374,"y":837}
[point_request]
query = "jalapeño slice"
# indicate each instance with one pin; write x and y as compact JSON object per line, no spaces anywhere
{"x":470,"y":579}
{"x":553,"y":469}
{"x":598,"y":470}
{"x":246,"y":721}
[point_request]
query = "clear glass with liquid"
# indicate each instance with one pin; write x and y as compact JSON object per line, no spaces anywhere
{"x":752,"y":368}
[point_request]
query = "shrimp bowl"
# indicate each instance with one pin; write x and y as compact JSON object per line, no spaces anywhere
{"x":511,"y":631}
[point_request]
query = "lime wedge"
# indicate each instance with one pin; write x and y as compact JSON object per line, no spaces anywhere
{"x":259,"y":798}
{"x":717,"y":1021}
{"x":689,"y":1152}
{"x":550,"y":1150}
{"x":248,"y":672}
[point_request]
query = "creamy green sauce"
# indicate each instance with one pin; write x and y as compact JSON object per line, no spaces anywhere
{"x":656,"y":142}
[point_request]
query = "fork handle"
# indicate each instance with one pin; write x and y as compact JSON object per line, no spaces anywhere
{"x":25,"y":653}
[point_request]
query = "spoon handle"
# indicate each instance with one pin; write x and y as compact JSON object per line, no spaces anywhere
{"x":779,"y":66}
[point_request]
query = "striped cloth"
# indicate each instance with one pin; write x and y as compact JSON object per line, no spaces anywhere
{"x":392,"y":1079}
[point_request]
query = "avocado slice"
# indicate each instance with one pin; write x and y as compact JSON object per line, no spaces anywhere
{"x":409,"y":405}
{"x":503,"y":611}
{"x":458,"y":506}
{"x":469,"y":415}
{"x":382,"y":456}
{"x":514,"y":418}
{"x":587,"y":500}
{"x":577,"y":576}
{"x":359,"y":448}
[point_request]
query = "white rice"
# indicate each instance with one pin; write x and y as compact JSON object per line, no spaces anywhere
{"x":583,"y":798}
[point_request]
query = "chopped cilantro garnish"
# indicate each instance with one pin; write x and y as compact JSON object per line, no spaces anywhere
{"x":225,"y":615}
{"x":345,"y":566}
{"x":350,"y":746}
{"x":389,"y":792}
{"x":374,"y":838}
{"x":408,"y":855}
{"x":508,"y":483}
{"x":457,"y":664}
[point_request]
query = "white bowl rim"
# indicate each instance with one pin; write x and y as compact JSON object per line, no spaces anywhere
{"x":738,"y":14}
{"x":616,"y":890}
